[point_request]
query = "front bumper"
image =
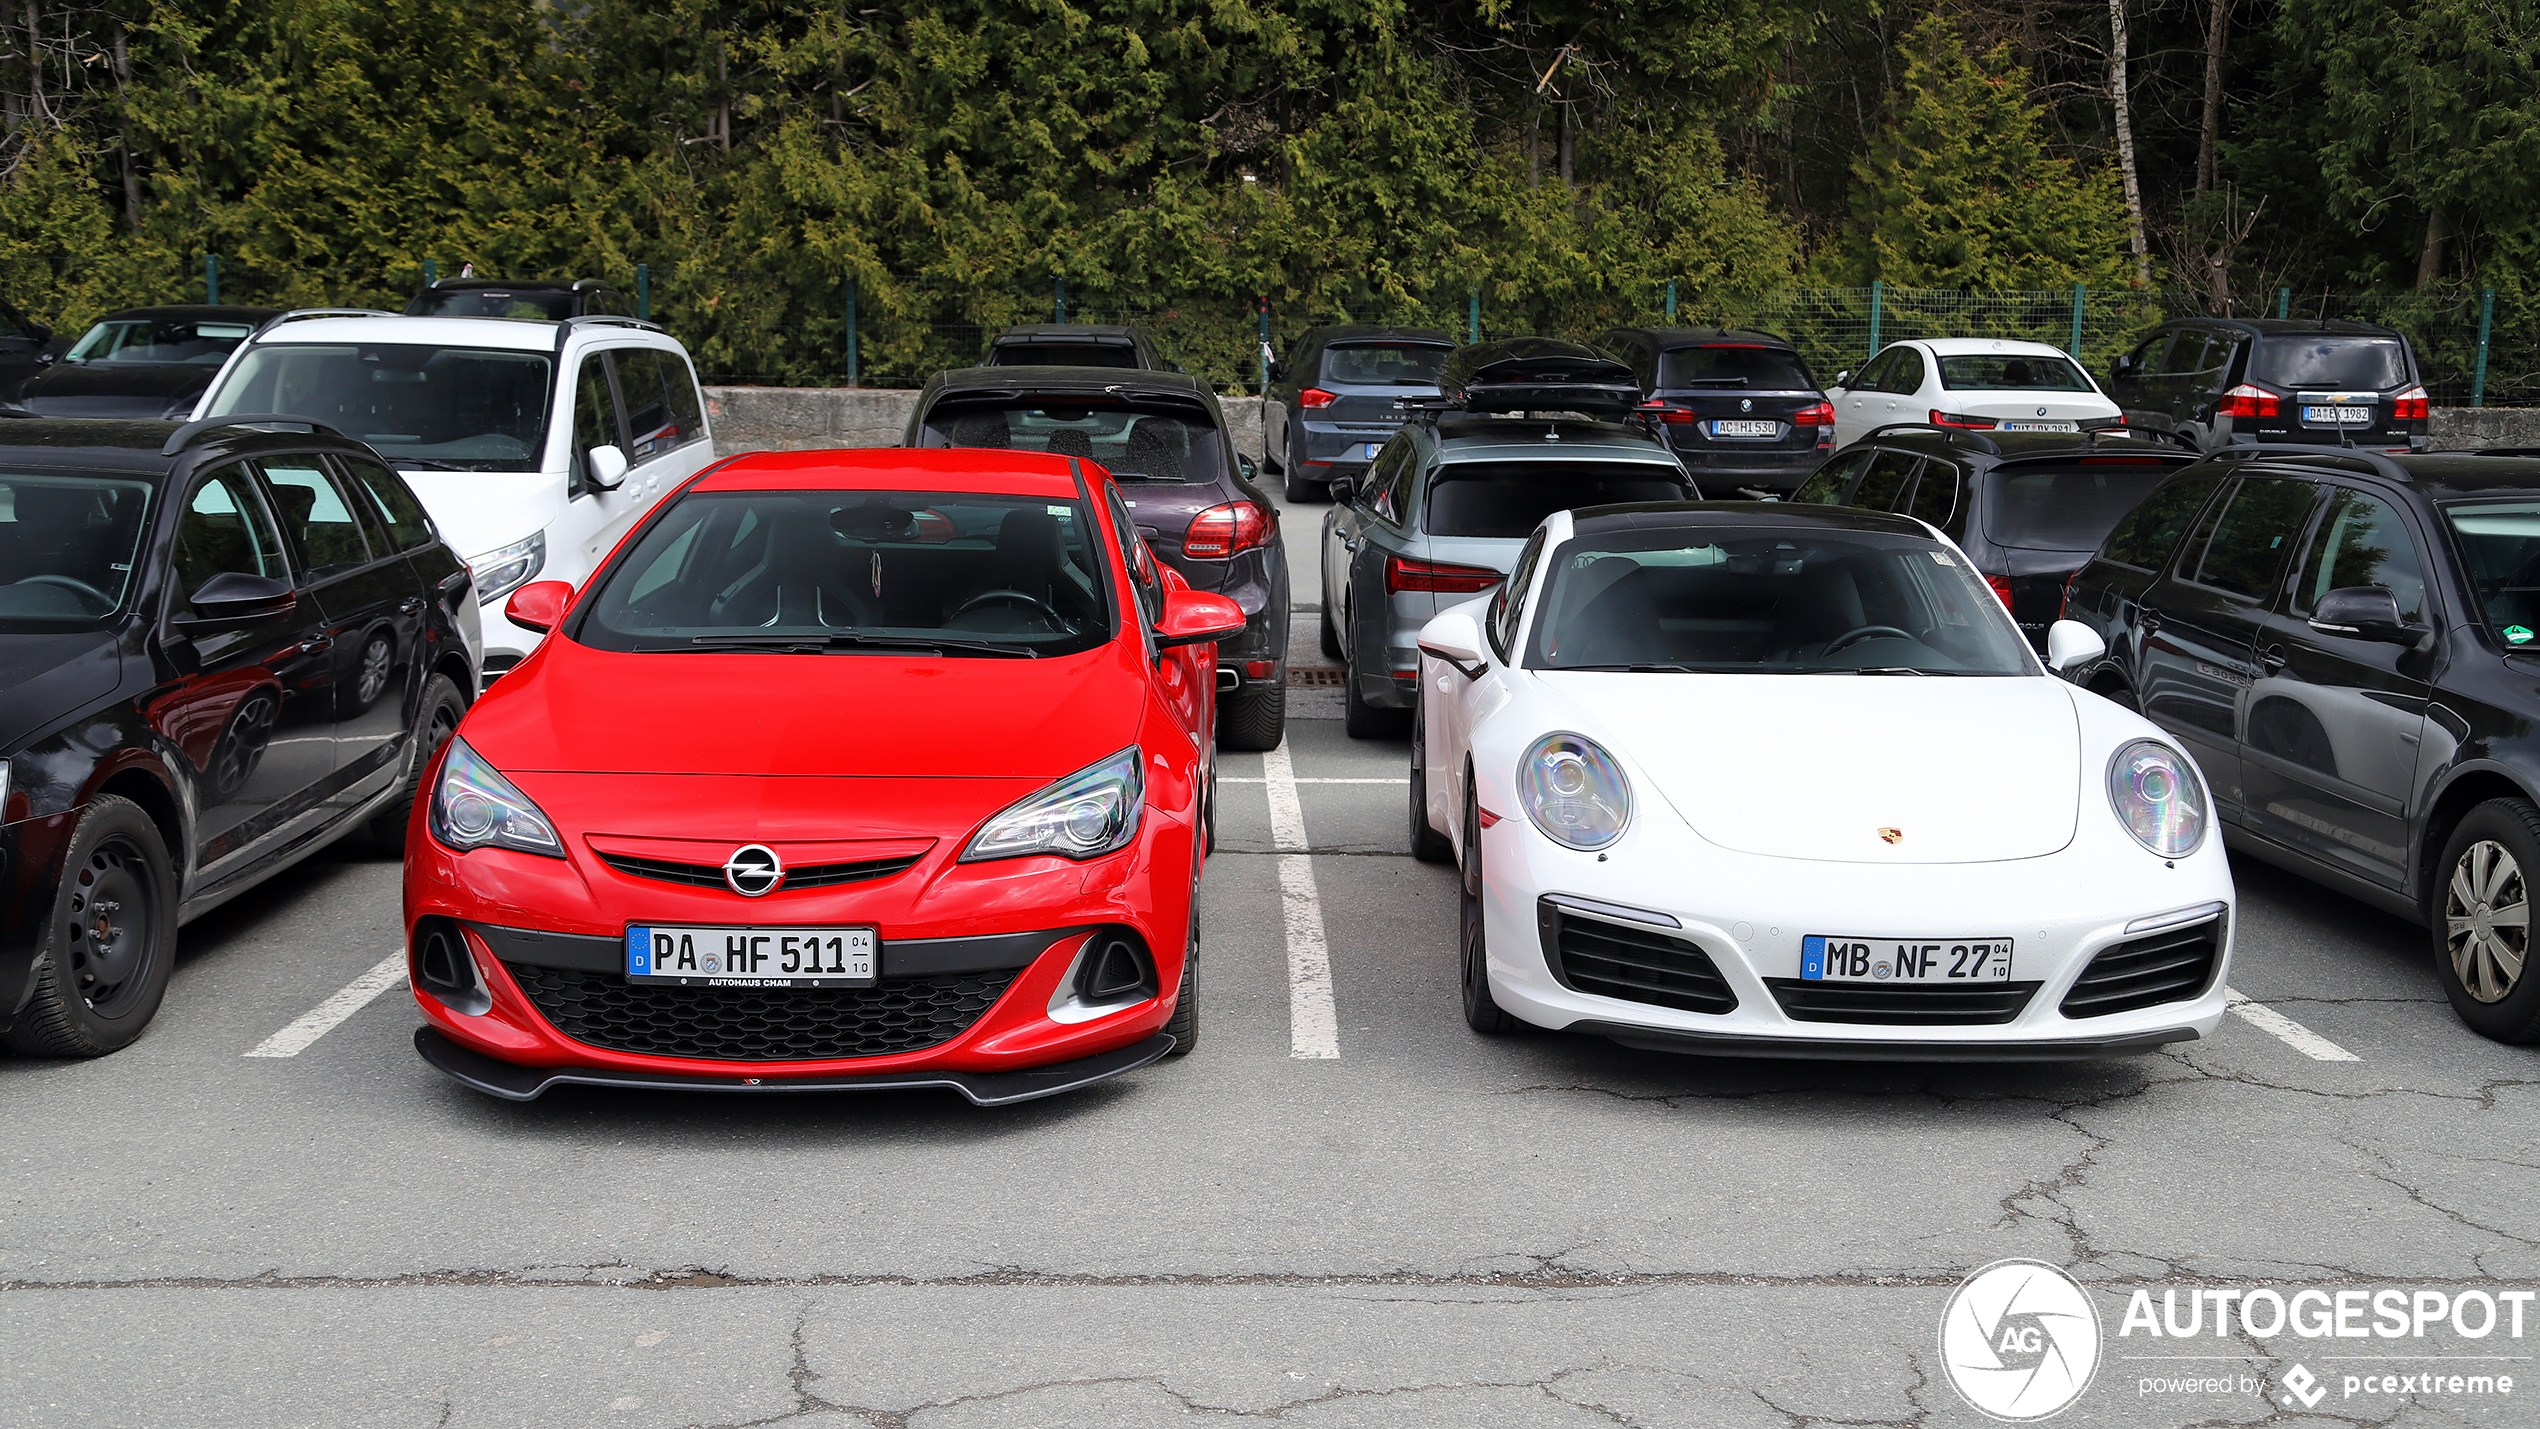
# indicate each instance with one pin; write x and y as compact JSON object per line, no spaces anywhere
{"x":521,"y":1084}
{"x":31,"y":853}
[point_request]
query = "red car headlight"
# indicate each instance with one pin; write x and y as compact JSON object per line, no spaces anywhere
{"x":1091,"y":812}
{"x":475,"y":807}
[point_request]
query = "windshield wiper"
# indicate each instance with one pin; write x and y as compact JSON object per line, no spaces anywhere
{"x":1639,"y":669}
{"x":856,"y":640}
{"x":428,"y":463}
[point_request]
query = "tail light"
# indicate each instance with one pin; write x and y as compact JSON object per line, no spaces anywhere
{"x":1959,"y":419}
{"x":2001,"y":587}
{"x":1402,"y":575}
{"x":1221,"y":531}
{"x":1316,"y":397}
{"x":1820,"y":414}
{"x":2247,"y":401}
{"x":2411,"y":405}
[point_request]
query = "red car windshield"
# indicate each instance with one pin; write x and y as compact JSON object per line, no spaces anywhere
{"x":960,"y":574}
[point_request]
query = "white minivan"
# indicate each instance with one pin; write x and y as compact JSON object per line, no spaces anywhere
{"x":535,"y":445}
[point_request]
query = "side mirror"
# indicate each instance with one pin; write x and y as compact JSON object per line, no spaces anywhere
{"x":1456,"y":638}
{"x":2070,"y":644}
{"x":1244,"y":464}
{"x":1197,"y":617}
{"x":1344,"y":489}
{"x":2364,"y":612}
{"x":539,"y":604}
{"x":1843,"y":379}
{"x":236,"y":598}
{"x":608,"y":467}
{"x":39,"y":332}
{"x":1278,"y":370}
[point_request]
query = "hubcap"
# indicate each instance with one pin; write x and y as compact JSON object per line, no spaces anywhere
{"x":2487,"y":921}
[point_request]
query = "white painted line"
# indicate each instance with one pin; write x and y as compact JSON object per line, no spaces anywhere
{"x":2293,"y":1034}
{"x":1233,"y":779}
{"x":291,"y":1041}
{"x":1313,"y":1022}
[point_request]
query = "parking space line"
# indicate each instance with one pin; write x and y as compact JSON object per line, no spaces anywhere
{"x":1313,"y":1022}
{"x":1293,"y":779}
{"x":291,"y":1041}
{"x":2293,"y":1034}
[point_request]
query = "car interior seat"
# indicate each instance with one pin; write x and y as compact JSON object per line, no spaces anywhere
{"x":1071,"y":442}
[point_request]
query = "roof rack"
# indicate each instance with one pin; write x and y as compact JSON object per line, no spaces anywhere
{"x":302,"y":314}
{"x":185,"y":436}
{"x":2377,"y":462}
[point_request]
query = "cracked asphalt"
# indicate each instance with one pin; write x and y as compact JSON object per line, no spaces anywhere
{"x":1435,"y":1229}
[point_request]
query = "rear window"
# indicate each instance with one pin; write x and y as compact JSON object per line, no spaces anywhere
{"x":2375,"y":363}
{"x":1063,"y":354}
{"x":1745,"y":367}
{"x":2067,"y":508}
{"x":2144,"y":539}
{"x":2012,"y":372}
{"x":1508,"y":499}
{"x":1132,"y":443}
{"x":1391,"y":364}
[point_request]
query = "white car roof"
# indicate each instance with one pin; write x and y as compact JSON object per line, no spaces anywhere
{"x":501,"y":333}
{"x":1961,"y":346}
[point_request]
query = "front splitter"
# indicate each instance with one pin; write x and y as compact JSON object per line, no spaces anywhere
{"x":520,"y":1084}
{"x":1857,"y":1049}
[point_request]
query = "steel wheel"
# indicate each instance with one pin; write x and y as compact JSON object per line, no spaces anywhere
{"x":2487,"y":920}
{"x":111,"y":939}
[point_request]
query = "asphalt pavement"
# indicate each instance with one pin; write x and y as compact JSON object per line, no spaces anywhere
{"x":1343,"y":1209}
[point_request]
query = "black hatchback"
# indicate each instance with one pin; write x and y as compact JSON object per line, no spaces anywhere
{"x":2217,"y":382}
{"x":2348,"y":644}
{"x":2028,"y":508}
{"x":221,"y":650}
{"x":139,"y":364}
{"x":1740,"y":407}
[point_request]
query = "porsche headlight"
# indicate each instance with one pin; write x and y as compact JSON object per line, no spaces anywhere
{"x":1091,"y":812}
{"x":474,"y":807}
{"x":2157,"y":797}
{"x":499,"y":573}
{"x":1574,"y":791}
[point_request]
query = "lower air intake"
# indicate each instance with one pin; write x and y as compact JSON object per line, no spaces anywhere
{"x":743,"y":1024}
{"x":2172,"y":965}
{"x":1901,"y":1004}
{"x":1635,"y":964}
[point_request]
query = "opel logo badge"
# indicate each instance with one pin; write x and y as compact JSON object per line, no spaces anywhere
{"x":754,"y":871}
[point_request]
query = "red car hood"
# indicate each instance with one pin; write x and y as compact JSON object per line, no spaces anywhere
{"x":571,"y":709}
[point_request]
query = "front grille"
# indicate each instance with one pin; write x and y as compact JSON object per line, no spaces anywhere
{"x":810,"y":875}
{"x":1901,"y":1004}
{"x":2172,"y":965}
{"x":746,"y":1024}
{"x":1635,"y":964}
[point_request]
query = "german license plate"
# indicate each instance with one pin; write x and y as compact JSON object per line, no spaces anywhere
{"x":1367,"y":450}
{"x":2041,"y":426}
{"x":2338,"y":416}
{"x":750,"y":957}
{"x":1746,"y":429}
{"x":1833,"y":959}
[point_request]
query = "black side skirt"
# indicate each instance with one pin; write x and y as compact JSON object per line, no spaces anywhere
{"x":521,"y":1084}
{"x":1722,"y":1044}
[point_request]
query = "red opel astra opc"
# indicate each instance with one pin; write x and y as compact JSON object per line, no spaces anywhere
{"x":849,"y":769}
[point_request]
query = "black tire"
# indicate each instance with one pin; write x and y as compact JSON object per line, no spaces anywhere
{"x":108,"y":950}
{"x":1331,"y":637}
{"x":1184,"y":1023}
{"x":1427,"y":844}
{"x":1303,"y":493}
{"x":1482,"y":1012}
{"x":1361,"y":720}
{"x":2483,"y":961}
{"x":1254,"y":718}
{"x":434,"y":724}
{"x":2117,"y":693}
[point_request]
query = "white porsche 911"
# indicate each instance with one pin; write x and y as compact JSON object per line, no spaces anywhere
{"x":1761,"y":779}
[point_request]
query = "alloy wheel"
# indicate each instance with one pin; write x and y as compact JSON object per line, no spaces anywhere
{"x":374,"y":672}
{"x":2487,"y":920}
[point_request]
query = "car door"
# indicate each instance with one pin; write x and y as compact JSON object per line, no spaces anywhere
{"x":2181,"y":370}
{"x":593,"y":519}
{"x":1905,"y":400}
{"x":252,"y":708}
{"x":2129,"y":383}
{"x":1828,"y":484}
{"x":1883,"y":485}
{"x":1185,"y":675}
{"x":375,"y":615}
{"x":2201,"y":623}
{"x":665,"y":428}
{"x":1344,"y":528}
{"x":1450,"y":730}
{"x":1385,"y":532}
{"x":1854,"y":408}
{"x":2335,"y":722}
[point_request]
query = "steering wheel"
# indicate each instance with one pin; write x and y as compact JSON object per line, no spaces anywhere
{"x":1029,"y":602}
{"x":74,"y":586}
{"x":1860,"y":633}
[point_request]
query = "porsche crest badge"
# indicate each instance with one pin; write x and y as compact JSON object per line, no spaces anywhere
{"x":1892,"y":835}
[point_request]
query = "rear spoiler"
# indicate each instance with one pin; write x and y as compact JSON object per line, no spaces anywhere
{"x":1533,"y":374}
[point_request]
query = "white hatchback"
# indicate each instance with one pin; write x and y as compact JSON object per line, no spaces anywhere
{"x":535,"y":445}
{"x":1779,"y":780}
{"x":1975,"y":383}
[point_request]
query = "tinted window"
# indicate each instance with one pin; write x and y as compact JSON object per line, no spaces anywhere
{"x":470,"y":408}
{"x":2185,"y":355}
{"x":206,"y":343}
{"x":317,"y":516}
{"x":549,"y":305}
{"x":1383,"y":364}
{"x":661,"y":401}
{"x":1063,"y":354}
{"x":1885,"y":482}
{"x":1508,"y":499}
{"x":2147,"y":354}
{"x":1907,"y":374}
{"x":2330,"y":362}
{"x":2069,"y":508}
{"x":1736,"y":365}
{"x":13,"y":325}
{"x":848,"y":573}
{"x":1142,"y":577}
{"x":595,"y":422}
{"x":226,"y":528}
{"x":1508,"y":601}
{"x":1825,"y":488}
{"x":2014,"y":372}
{"x":1132,"y":443}
{"x":68,"y":547}
{"x":2361,"y":541}
{"x":2500,"y":549}
{"x":393,"y":502}
{"x":2143,"y":539}
{"x":1393,"y":492}
{"x":2250,"y":539}
{"x":1936,"y":494}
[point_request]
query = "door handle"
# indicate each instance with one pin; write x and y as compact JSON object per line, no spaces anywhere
{"x":2273,"y":657}
{"x":410,"y":605}
{"x":1349,"y":543}
{"x":318,"y":646}
{"x":2148,"y":621}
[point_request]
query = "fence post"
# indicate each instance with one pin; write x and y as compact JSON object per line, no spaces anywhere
{"x":644,"y":292}
{"x":2081,"y":295}
{"x":1878,"y":293}
{"x":2284,"y":302}
{"x":1472,"y":315}
{"x":211,"y":279}
{"x":2486,"y":322}
{"x":1265,"y":347}
{"x":1061,"y":308}
{"x":1671,"y":301}
{"x":851,"y":333}
{"x":430,"y":276}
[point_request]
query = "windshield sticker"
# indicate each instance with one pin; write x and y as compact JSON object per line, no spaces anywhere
{"x":1943,"y":558}
{"x":2517,"y":634}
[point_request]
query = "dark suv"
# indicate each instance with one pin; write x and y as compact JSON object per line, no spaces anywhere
{"x":2028,"y":508}
{"x":1339,"y":395}
{"x":1162,"y":436}
{"x":2348,"y":644}
{"x":221,"y":649}
{"x":1740,"y":407}
{"x":1078,"y":345}
{"x":2217,"y":382}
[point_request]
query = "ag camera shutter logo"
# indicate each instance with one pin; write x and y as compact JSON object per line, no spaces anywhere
{"x":2019,"y":1340}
